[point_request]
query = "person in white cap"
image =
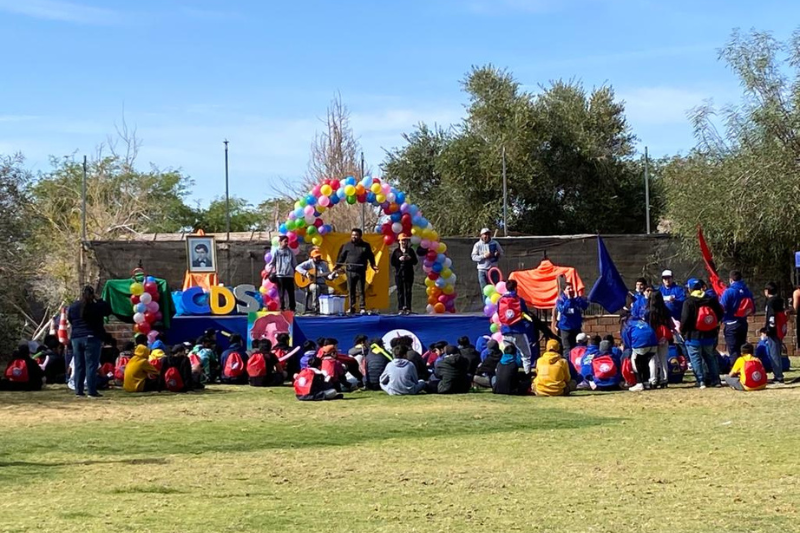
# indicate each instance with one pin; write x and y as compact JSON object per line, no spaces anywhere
{"x":673,"y":293}
{"x":486,"y":252}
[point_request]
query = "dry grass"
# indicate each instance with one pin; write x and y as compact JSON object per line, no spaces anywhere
{"x":242,"y":459}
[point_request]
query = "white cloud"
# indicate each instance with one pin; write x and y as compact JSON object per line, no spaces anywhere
{"x":661,"y":105}
{"x":61,"y":11}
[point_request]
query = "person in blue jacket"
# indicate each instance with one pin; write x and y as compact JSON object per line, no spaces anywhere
{"x":640,"y":338}
{"x":639,"y":296}
{"x":570,"y":308}
{"x":737,"y":304}
{"x":674,"y":295}
{"x":614,"y":378}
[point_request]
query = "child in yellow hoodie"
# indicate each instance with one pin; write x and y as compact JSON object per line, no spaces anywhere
{"x":552,"y":373}
{"x":140,"y":375}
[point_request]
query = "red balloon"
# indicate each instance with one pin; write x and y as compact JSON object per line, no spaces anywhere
{"x":159,"y":316}
{"x":134,"y":299}
{"x":272,"y":305}
{"x":149,"y":317}
{"x":335,"y":185}
{"x":155,"y":296}
{"x":144,"y":327}
{"x":376,"y":180}
{"x":386,"y":229}
{"x":433,"y":275}
{"x":406,"y":218}
{"x":388,"y":240}
{"x":432,"y":255}
{"x":318,"y":223}
{"x":326,"y":181}
{"x":293,"y":245}
{"x":151,"y":287}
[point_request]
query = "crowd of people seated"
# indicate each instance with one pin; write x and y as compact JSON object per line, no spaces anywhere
{"x":664,"y":332}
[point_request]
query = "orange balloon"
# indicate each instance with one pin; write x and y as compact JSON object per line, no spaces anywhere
{"x":433,"y":300}
{"x":393,"y":207}
{"x":360,"y":190}
{"x":437,"y":292}
{"x":439,"y":308}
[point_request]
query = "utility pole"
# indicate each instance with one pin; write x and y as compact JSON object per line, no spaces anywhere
{"x":505,"y":196}
{"x":227,"y":217}
{"x":647,"y":189}
{"x":81,"y":278}
{"x":364,"y":205}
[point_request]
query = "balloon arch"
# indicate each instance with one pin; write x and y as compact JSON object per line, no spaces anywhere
{"x":304,"y":224}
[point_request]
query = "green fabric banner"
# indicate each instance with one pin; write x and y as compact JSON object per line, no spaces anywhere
{"x":117,"y":292}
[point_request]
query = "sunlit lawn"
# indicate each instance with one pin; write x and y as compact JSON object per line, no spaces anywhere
{"x":244,"y":459}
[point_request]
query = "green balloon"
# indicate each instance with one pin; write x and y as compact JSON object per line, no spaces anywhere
{"x":351,"y":200}
{"x":312,"y":230}
{"x":300,"y":223}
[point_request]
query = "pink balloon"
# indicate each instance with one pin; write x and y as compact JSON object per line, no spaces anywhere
{"x":153,"y":307}
{"x":425,"y":244}
{"x":324,"y":201}
{"x":385,"y":188}
{"x":309,"y":210}
{"x":496,"y":318}
{"x":501,"y":287}
{"x":315,"y":191}
{"x":498,"y":337}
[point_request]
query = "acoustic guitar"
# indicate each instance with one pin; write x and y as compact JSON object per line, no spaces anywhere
{"x":302,"y":282}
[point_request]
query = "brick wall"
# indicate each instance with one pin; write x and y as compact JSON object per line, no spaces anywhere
{"x":609,"y":324}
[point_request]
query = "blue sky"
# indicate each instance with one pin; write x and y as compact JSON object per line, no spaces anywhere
{"x":189,"y":73}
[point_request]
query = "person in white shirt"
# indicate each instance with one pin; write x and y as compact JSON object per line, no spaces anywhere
{"x":486,"y":253}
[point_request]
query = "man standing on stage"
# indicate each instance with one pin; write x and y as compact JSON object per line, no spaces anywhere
{"x":355,"y":256}
{"x":403,"y":260}
{"x":317,"y":271}
{"x":486,"y":253}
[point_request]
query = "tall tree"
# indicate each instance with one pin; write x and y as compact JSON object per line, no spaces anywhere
{"x":244,"y":217}
{"x":569,"y":156}
{"x":742,"y":180}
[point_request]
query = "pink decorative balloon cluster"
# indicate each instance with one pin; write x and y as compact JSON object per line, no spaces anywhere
{"x":492,"y":295}
{"x":146,"y":311}
{"x":305,"y":225}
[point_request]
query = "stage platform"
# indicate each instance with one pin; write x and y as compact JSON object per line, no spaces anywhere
{"x":427,"y":328}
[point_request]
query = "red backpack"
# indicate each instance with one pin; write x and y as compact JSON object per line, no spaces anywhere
{"x":576,"y":356}
{"x":755,"y":377}
{"x":17,"y":371}
{"x":706,"y":319}
{"x":157,"y":363}
{"x":234,"y":366}
{"x":509,"y":309}
{"x":604,"y":367}
{"x":781,"y":324}
{"x":304,"y":382}
{"x":173,"y":381}
{"x":107,"y":369}
{"x":257,"y":366}
{"x":332,"y":368}
{"x":627,"y":372}
{"x":119,"y":368}
{"x":195,"y":361}
{"x":746,"y":308}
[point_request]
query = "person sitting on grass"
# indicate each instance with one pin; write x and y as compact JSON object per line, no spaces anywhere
{"x":452,"y":369}
{"x":486,"y":371}
{"x":360,"y":349}
{"x":509,"y":373}
{"x":333,"y":368}
{"x":309,"y":351}
{"x":375,"y":363}
{"x":413,"y":356}
{"x":140,"y":375}
{"x":748,"y":373}
{"x":207,"y":358}
{"x":552,"y":373}
{"x":350,"y":363}
{"x":576,"y":354}
{"x":51,"y":360}
{"x":399,"y":378}
{"x":263,"y":367}
{"x":606,"y":368}
{"x":312,"y":384}
{"x":468,"y":350}
{"x":22,"y":372}
{"x":762,"y":350}
{"x":234,"y":362}
{"x":176,"y":371}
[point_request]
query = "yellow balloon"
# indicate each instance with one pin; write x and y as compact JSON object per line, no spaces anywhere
{"x":448,"y":289}
{"x":446,"y":273}
{"x":380,"y":198}
{"x":349,"y":190}
{"x":415,"y":230}
{"x":326,"y":190}
{"x":429,"y":282}
{"x":434,"y":235}
{"x":321,"y":208}
{"x":442,"y":248}
{"x":137,"y":288}
{"x":376,"y":188}
{"x":316,"y":240}
{"x":495,"y":297}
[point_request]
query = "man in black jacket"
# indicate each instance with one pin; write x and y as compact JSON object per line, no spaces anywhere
{"x":404,"y":258}
{"x":775,"y":322}
{"x":355,"y":256}
{"x":700,"y":319}
{"x":468,"y":350}
{"x":453,"y":372}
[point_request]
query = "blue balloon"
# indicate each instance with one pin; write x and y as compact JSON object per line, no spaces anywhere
{"x":400,"y":197}
{"x":397,"y":217}
{"x":141,"y":308}
{"x":366,"y":182}
{"x":282,"y":229}
{"x":423,"y":222}
{"x":328,"y":228}
{"x":413,"y":209}
{"x":416,"y":221}
{"x":440,"y":259}
{"x":299,"y":213}
{"x":350,"y":180}
{"x":437,"y":267}
{"x":340,"y":193}
{"x":440,"y":283}
{"x":334,"y":199}
{"x":371,"y":197}
{"x":300,"y":239}
{"x":310,"y":200}
{"x":151,"y":279}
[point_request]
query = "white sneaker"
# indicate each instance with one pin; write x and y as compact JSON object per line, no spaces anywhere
{"x":637,"y":388}
{"x":702,"y":386}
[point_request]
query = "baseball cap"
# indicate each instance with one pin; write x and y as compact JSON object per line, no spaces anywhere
{"x":315,"y":253}
{"x":581,"y":337}
{"x":666,"y":274}
{"x":402,"y":237}
{"x":485,"y":230}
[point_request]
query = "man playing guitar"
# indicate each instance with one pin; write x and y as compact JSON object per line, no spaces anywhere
{"x":313,"y":274}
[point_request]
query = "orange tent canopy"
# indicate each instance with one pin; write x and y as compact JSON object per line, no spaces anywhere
{"x":539,"y":286}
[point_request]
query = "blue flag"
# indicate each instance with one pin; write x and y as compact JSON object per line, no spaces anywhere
{"x":609,"y":290}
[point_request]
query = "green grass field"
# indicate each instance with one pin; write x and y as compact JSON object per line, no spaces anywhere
{"x":244,"y":459}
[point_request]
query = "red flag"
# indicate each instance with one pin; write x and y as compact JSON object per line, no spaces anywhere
{"x":716,"y":283}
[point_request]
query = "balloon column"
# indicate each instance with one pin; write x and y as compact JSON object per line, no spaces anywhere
{"x":305,"y":225}
{"x":144,"y":298}
{"x":492,"y":295}
{"x":268,"y":290}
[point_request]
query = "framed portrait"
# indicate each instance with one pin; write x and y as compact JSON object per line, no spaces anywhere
{"x":201,"y":254}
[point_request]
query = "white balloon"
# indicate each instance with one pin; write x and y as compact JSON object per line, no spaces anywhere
{"x":138,"y":318}
{"x":146,"y":298}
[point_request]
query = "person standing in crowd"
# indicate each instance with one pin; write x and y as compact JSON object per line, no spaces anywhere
{"x":639,"y":307}
{"x":737,"y":304}
{"x":487,"y":253}
{"x":640,"y":338}
{"x":569,"y":308}
{"x":673,"y":294}
{"x":315,"y":269}
{"x":700,"y":321}
{"x":404,"y":259}
{"x":86,"y":318}
{"x":661,"y":322}
{"x":282,"y":268}
{"x":512,"y":311}
{"x":796,"y":308}
{"x":776,"y":328}
{"x":355,"y":256}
